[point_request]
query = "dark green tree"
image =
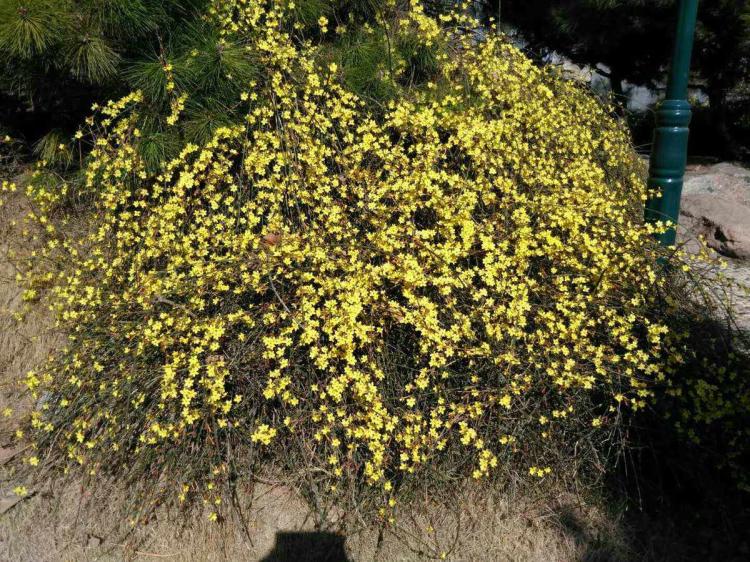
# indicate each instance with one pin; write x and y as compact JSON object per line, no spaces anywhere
{"x":56,"y":56}
{"x":633,"y":39}
{"x":722,"y":60}
{"x":628,"y":36}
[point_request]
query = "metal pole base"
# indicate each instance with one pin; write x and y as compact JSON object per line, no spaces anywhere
{"x":667,"y":167}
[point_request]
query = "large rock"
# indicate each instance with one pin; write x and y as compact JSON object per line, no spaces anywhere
{"x":716,"y":204}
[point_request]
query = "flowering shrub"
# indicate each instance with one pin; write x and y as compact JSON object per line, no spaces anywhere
{"x":706,"y":397}
{"x":460,"y":278}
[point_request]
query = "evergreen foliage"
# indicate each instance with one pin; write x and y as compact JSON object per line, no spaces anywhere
{"x":58,"y":56}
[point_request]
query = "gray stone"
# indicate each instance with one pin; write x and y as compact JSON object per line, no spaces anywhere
{"x":716,"y":204}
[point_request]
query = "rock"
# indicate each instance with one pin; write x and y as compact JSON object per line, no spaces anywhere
{"x":732,"y":181}
{"x":716,"y":204}
{"x":9,"y":500}
{"x":724,"y":224}
{"x":7,"y":453}
{"x":93,"y":541}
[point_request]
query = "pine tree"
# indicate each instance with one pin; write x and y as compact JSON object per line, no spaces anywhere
{"x":57,"y":56}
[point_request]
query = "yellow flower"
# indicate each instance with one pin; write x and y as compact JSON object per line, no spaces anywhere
{"x":263,"y":434}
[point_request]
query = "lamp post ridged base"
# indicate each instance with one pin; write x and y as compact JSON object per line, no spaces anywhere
{"x":669,"y":153}
{"x":668,"y":161}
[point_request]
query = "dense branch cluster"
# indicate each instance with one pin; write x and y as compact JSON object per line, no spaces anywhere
{"x":458,"y":278}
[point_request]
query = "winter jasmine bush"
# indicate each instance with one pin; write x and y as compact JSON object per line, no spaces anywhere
{"x":361,"y":292}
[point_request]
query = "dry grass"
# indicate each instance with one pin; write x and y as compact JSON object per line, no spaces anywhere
{"x":51,"y":528}
{"x":22,"y":344}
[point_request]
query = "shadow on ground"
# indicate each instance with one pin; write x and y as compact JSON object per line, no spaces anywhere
{"x":672,"y":499}
{"x":594,"y":545}
{"x":309,"y":546}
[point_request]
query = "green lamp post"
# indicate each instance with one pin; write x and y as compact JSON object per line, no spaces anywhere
{"x":669,"y":153}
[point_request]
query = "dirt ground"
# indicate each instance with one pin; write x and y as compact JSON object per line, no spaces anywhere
{"x":50,"y":529}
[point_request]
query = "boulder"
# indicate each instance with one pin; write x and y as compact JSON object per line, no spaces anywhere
{"x":716,"y":204}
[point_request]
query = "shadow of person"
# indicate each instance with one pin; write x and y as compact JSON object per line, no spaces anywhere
{"x":308,"y":547}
